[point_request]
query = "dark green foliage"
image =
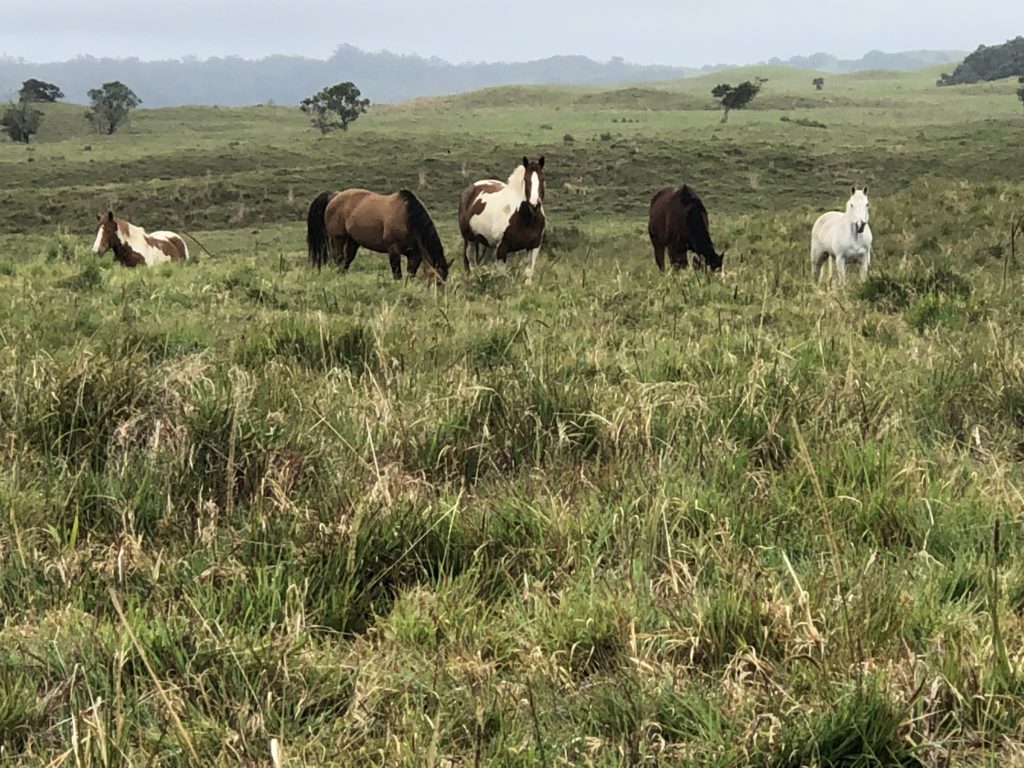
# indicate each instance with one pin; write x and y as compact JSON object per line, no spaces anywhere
{"x":335,"y":107}
{"x":893,"y":294}
{"x":110,"y":105}
{"x":21,"y":121}
{"x":39,"y":91}
{"x":864,"y":730}
{"x":732,"y":97}
{"x":989,"y":63}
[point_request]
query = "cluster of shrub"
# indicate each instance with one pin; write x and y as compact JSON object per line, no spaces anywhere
{"x":333,"y":107}
{"x":108,"y":108}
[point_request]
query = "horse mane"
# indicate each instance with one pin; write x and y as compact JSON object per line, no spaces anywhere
{"x":696,"y":222}
{"x":316,"y":230}
{"x":518,"y":179}
{"x":423,"y":225}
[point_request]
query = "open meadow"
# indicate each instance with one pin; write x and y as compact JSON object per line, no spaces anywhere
{"x":612,"y":518}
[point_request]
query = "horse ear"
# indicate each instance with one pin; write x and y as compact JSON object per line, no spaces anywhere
{"x":853,"y":190}
{"x":685,"y":193}
{"x":541,"y":161}
{"x":110,"y":215}
{"x":865,"y":190}
{"x":526,"y":162}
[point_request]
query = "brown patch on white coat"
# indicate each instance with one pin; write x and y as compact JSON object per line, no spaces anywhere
{"x":133,"y":246}
{"x":505,"y":217}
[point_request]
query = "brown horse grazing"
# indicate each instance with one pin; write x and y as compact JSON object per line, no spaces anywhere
{"x":133,"y":246}
{"x":339,"y":223}
{"x":679,"y":222}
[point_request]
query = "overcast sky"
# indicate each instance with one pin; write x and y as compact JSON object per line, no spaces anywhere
{"x":646,"y":31}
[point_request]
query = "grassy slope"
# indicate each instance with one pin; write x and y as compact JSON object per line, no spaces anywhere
{"x":613,"y":518}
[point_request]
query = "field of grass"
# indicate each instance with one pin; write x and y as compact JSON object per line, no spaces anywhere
{"x":611,"y":518}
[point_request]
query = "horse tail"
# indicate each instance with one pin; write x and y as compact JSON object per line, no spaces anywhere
{"x":316,"y":229}
{"x":421,"y":223}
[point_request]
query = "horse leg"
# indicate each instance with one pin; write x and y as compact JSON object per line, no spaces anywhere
{"x":864,"y":267}
{"x":501,"y":255}
{"x":412,"y":263}
{"x":465,"y":255}
{"x":841,"y":270}
{"x":336,"y":247}
{"x":659,"y":256}
{"x":818,"y":259}
{"x":395,"y":257}
{"x":351,"y":246}
{"x":533,"y":264}
{"x":679,"y":258}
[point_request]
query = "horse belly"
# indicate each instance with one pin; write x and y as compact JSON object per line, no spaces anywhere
{"x":491,"y":223}
{"x":368,"y":234}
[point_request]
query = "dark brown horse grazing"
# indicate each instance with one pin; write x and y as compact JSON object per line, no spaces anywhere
{"x":679,"y":222}
{"x":397,"y":224}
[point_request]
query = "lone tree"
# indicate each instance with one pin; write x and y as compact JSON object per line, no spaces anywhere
{"x":334,"y":107}
{"x":21,"y":121}
{"x":818,"y":83}
{"x":737,"y":96}
{"x":39,"y":91}
{"x":110,"y":106}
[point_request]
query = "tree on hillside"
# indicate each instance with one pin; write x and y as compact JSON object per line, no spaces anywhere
{"x":335,"y":107}
{"x":993,"y":62}
{"x":1020,"y":92}
{"x":110,"y":106}
{"x":737,"y":96}
{"x":818,"y":83}
{"x":39,"y":91}
{"x":21,"y":121}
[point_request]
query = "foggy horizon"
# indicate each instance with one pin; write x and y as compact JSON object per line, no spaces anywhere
{"x":643,"y":33}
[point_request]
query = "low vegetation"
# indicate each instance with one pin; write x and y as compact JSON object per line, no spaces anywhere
{"x":613,"y":518}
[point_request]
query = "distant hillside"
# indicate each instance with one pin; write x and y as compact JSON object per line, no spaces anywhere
{"x":383,"y":77}
{"x":989,"y":63}
{"x":902,"y":62}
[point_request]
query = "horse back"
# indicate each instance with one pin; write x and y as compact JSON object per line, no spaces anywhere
{"x":825,"y":223}
{"x":177,"y":250}
{"x":473,"y":203}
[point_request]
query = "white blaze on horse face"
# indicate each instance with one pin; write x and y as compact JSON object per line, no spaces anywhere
{"x":99,"y":240}
{"x":534,"y":189}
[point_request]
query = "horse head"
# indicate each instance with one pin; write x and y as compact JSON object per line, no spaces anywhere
{"x":714,"y":260}
{"x":534,"y":181}
{"x":857,"y":208}
{"x":106,"y":234}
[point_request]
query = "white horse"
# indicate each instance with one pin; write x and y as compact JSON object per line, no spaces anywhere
{"x":505,"y":217}
{"x":845,"y":237}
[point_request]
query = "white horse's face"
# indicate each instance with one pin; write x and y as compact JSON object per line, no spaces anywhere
{"x":857,"y":208}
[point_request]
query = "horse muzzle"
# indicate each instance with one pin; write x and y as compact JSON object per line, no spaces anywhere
{"x":861,"y":226}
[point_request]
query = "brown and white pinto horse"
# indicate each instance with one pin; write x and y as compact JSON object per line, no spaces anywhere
{"x":133,"y":246}
{"x":396,"y":224}
{"x":679,"y":222}
{"x":505,"y":217}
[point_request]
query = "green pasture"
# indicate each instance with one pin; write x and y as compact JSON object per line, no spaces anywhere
{"x":612,"y":518}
